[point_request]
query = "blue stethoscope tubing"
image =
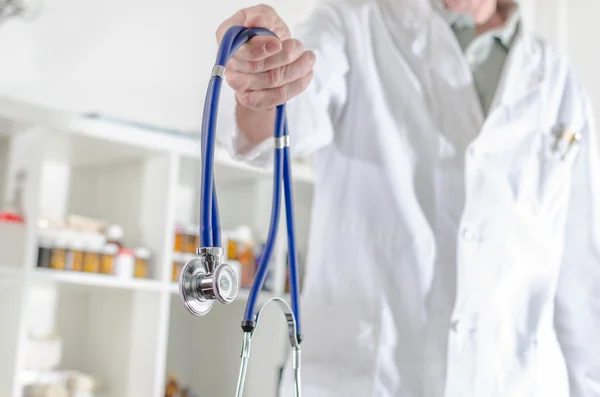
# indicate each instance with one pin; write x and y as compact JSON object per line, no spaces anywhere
{"x":210,"y":232}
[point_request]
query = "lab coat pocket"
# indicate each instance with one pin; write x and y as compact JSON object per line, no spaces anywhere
{"x":554,"y":173}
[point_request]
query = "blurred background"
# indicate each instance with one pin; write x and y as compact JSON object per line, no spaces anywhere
{"x":100,"y":107}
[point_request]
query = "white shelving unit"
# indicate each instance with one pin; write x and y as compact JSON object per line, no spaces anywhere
{"x":130,"y":333}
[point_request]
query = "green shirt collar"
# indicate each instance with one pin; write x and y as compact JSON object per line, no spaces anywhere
{"x":505,"y":33}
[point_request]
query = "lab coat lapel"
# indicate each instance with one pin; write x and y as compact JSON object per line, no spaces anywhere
{"x":455,"y":103}
{"x":521,"y":83}
{"x":445,"y":74}
{"x":522,"y":76}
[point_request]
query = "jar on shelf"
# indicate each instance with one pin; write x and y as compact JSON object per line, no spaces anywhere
{"x":82,"y":385}
{"x":91,"y":259}
{"x":172,"y":388}
{"x":108,"y":258}
{"x":179,"y":261}
{"x":142,"y":258}
{"x":192,"y":239}
{"x":232,"y":259}
{"x":76,"y":255}
{"x":58,"y":257}
{"x":45,"y":245}
{"x":179,"y":239}
{"x":125,"y":263}
{"x":246,"y":258}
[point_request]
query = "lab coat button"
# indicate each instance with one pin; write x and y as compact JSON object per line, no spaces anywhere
{"x":471,"y":59}
{"x":454,"y":325}
{"x":474,"y":151}
{"x":470,"y":235}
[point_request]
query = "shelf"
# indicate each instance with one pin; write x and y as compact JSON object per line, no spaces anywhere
{"x":96,"y":280}
{"x":105,"y":333}
{"x":101,"y":141}
{"x":131,"y":332}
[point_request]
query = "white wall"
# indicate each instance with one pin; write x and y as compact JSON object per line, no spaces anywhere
{"x":147,"y":60}
{"x":571,"y":26}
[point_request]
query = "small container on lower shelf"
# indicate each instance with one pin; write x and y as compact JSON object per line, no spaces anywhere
{"x":125,"y":264}
{"x":58,"y":257}
{"x":179,"y":239}
{"x":45,"y":246}
{"x":76,"y":255}
{"x":142,"y":256}
{"x":108,"y":258}
{"x":91,"y":259}
{"x":179,"y":260}
{"x":192,"y":239}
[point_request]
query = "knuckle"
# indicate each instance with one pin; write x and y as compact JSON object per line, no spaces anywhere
{"x":237,"y":83}
{"x":255,"y":51}
{"x":279,"y":94}
{"x":289,"y":53}
{"x":273,"y":77}
{"x":266,"y":8}
{"x":231,"y":80}
{"x":255,"y":66}
{"x":305,"y":61}
{"x":247,"y":99}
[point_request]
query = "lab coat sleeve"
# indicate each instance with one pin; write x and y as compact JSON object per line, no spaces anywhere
{"x":577,"y":315}
{"x":311,"y":116}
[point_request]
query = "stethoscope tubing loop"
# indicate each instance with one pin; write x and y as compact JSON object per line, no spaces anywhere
{"x":210,"y":234}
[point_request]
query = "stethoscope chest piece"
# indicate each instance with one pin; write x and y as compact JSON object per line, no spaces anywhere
{"x":205,"y":279}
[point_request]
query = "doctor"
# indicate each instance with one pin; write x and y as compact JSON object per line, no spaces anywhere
{"x":455,"y":246}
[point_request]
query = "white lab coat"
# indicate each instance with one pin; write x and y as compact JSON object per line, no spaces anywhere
{"x":450,"y":254}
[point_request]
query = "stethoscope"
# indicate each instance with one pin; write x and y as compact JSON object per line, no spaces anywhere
{"x":206,"y":278}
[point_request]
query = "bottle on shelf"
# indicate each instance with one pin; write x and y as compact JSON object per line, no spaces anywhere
{"x":192,"y":240}
{"x":76,"y":255}
{"x":45,"y":245}
{"x":232,"y":258}
{"x":125,"y":263}
{"x":108,"y":258}
{"x":178,"y":241}
{"x":91,"y":258}
{"x":142,"y":256}
{"x":246,"y":255}
{"x":58,"y":257}
{"x":179,"y":261}
{"x":114,"y":235}
{"x":172,"y":388}
{"x":248,"y":263}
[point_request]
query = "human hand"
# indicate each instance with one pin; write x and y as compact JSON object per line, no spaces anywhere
{"x":267,"y":71}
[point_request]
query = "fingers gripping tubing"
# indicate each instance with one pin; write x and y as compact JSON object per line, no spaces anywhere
{"x":210,"y":234}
